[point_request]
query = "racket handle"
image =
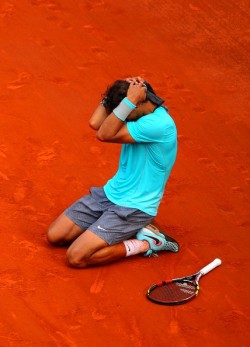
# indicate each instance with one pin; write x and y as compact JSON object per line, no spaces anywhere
{"x":210,"y":266}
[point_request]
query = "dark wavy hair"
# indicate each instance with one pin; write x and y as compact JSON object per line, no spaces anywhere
{"x":116,"y":92}
{"x":114,"y":95}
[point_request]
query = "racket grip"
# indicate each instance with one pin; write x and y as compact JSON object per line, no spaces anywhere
{"x":211,"y":266}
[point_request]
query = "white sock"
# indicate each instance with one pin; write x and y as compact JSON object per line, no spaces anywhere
{"x":135,"y":247}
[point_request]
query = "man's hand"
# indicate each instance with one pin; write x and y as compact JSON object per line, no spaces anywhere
{"x":135,"y":80}
{"x":136,"y":92}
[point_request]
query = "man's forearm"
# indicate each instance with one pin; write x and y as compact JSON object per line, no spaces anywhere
{"x":115,"y":121}
{"x":109,"y":128}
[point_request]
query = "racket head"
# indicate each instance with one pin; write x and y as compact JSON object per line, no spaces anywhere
{"x":174,"y":292}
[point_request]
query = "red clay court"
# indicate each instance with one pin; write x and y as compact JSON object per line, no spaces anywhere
{"x":57,"y":57}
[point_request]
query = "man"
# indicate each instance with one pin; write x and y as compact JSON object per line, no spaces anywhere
{"x":113,"y":221}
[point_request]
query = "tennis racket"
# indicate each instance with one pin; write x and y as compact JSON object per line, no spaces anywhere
{"x":180,"y":290}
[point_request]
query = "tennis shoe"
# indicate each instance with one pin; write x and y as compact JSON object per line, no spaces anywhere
{"x":158,"y":241}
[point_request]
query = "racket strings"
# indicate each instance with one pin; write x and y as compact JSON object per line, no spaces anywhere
{"x":173,"y":292}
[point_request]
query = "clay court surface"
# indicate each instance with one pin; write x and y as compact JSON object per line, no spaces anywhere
{"x":57,"y":57}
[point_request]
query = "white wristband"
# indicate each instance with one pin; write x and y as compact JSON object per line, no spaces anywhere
{"x":124,"y":109}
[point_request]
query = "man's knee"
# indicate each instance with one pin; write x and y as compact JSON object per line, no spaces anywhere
{"x":53,"y":235}
{"x":76,"y":258}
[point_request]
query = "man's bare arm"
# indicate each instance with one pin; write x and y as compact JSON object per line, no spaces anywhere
{"x":113,"y":128}
{"x":113,"y":131}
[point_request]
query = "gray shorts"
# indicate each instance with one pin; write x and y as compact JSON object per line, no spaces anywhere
{"x":112,"y":223}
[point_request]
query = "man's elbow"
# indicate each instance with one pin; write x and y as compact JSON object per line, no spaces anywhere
{"x":101,"y":136}
{"x":93,"y":125}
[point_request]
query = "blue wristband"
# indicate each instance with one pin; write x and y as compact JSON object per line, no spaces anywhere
{"x":129,"y":103}
{"x":124,"y":109}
